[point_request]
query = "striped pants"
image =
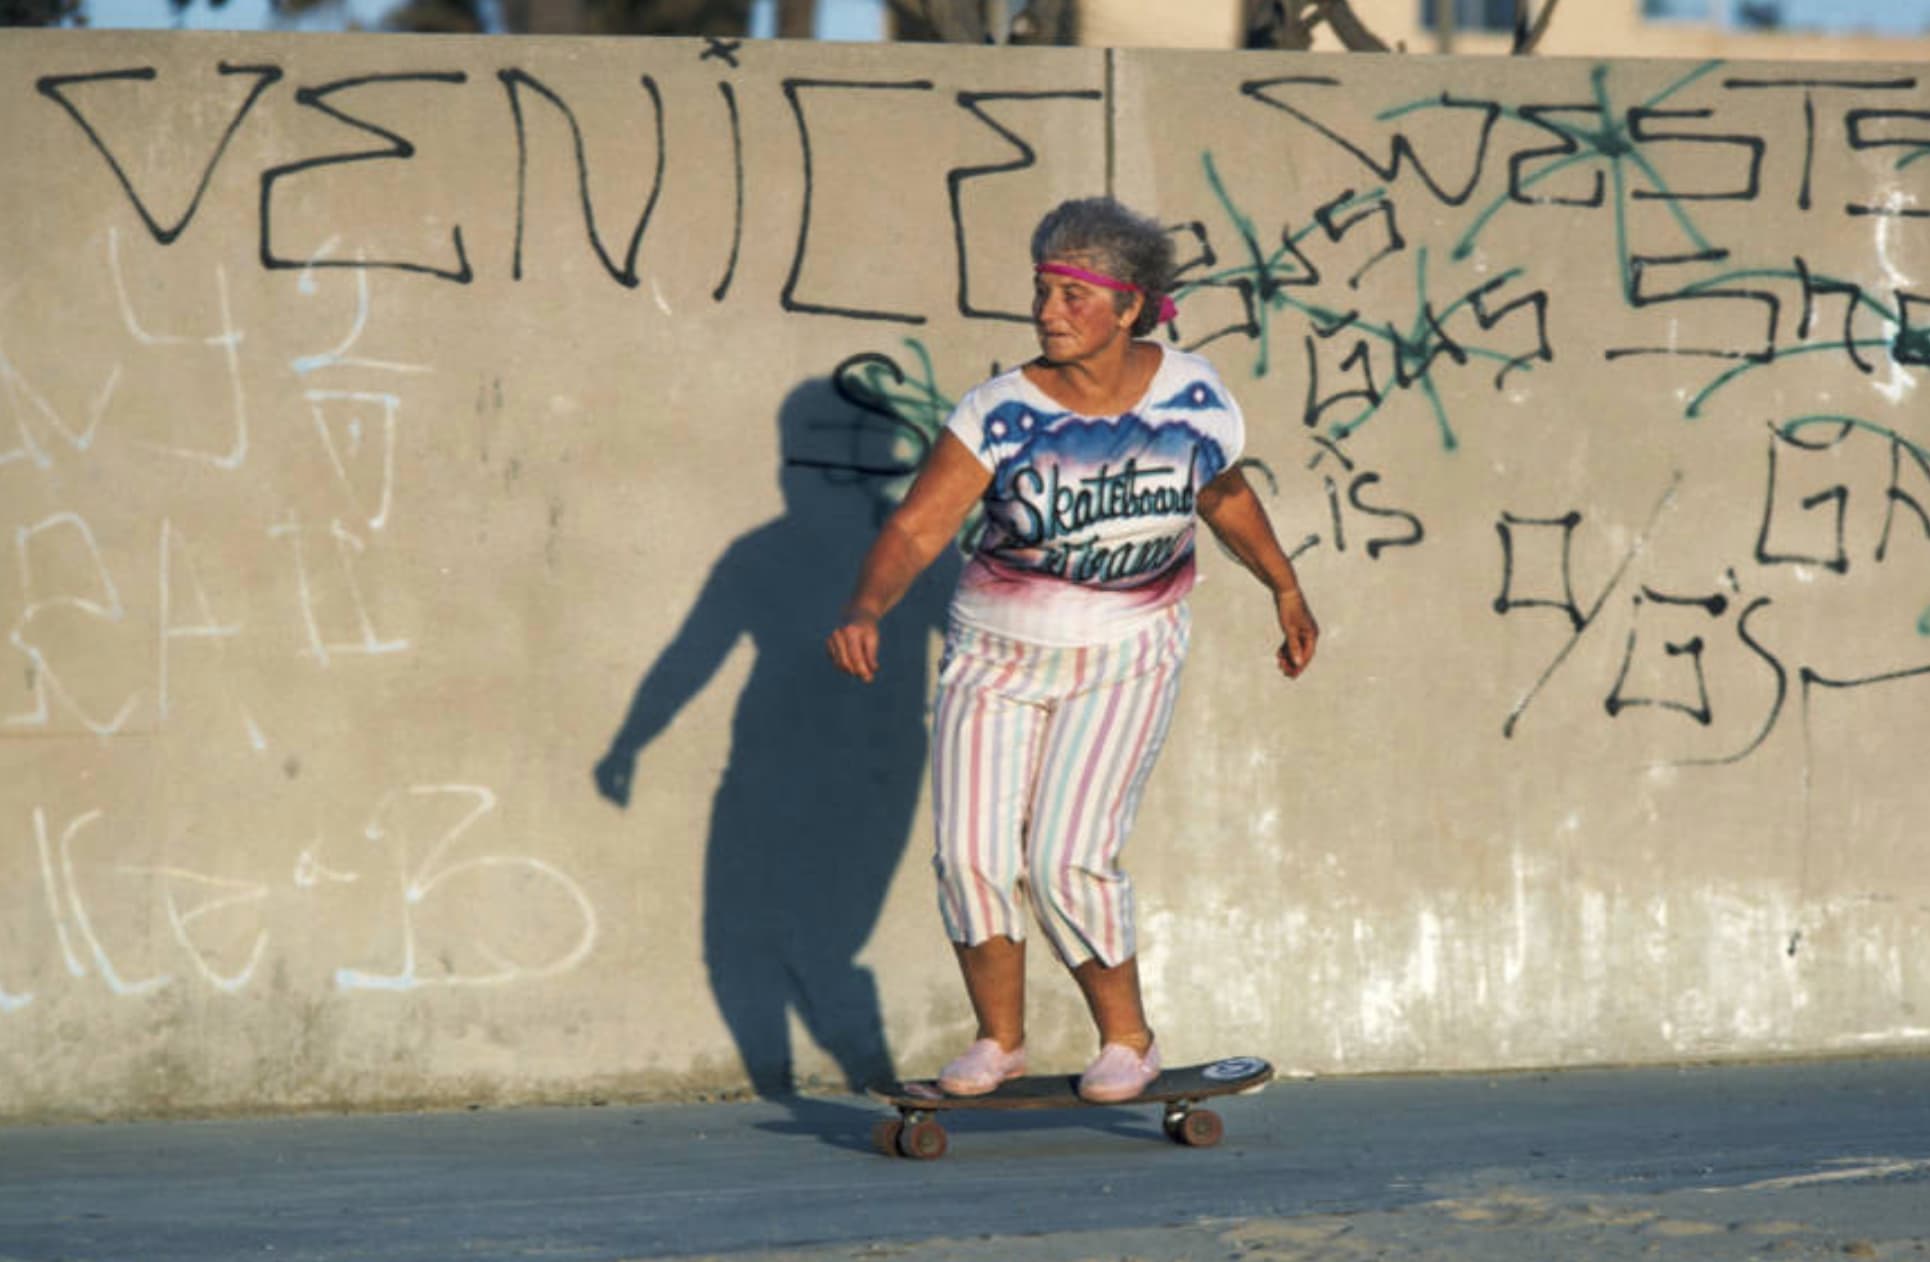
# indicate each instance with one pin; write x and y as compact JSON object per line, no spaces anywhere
{"x":1039,"y":757}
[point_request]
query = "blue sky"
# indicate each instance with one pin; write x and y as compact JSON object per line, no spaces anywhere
{"x":1898,"y":17}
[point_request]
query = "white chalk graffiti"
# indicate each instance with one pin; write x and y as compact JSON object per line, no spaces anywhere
{"x":339,"y":421}
{"x":366,"y":642}
{"x":205,"y":627}
{"x":437,"y":865}
{"x":64,"y":901}
{"x":99,"y":600}
{"x":11,"y":387}
{"x":219,"y":894}
{"x":311,"y":872}
{"x":342,"y":419}
{"x":227,"y":339}
{"x":62,"y":568}
{"x":339,"y":356}
{"x":21,"y":395}
{"x":105,"y":908}
{"x":194,"y":905}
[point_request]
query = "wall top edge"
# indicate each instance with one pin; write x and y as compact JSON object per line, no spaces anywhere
{"x":847,"y":51}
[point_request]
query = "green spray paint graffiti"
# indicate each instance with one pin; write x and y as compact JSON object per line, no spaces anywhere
{"x":1614,"y":137}
{"x":1266,"y":280}
{"x":1793,"y":428}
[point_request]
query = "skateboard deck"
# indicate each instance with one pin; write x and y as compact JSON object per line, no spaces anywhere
{"x":917,"y":1133}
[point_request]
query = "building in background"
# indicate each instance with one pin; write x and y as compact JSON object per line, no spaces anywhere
{"x":1870,"y":30}
{"x":1879,"y":30}
{"x":1739,"y":30}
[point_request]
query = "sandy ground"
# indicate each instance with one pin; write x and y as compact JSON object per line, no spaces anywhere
{"x":1855,"y":1218}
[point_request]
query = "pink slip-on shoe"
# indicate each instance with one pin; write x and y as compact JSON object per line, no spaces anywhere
{"x":981,"y":1069}
{"x":1120,"y":1073}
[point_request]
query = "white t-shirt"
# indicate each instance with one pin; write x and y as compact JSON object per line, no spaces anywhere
{"x":1090,"y":520}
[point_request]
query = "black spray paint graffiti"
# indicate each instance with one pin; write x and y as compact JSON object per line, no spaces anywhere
{"x":1693,"y":700}
{"x":59,"y":87}
{"x":398,"y":148}
{"x":1269,"y":284}
{"x":909,"y":408}
{"x":1550,"y":584}
{"x":1557,"y":591}
{"x":1905,"y":496}
{"x":1617,"y":142}
{"x":789,"y":298}
{"x":1360,"y":501}
{"x":1621,"y":144}
{"x":1620,"y":150}
{"x":1807,"y":525}
{"x":974,"y":104}
{"x":515,"y":82}
{"x":955,"y":182}
{"x":357,"y":101}
{"x":1625,"y":146}
{"x":1368,"y":356}
{"x":1590,"y":159}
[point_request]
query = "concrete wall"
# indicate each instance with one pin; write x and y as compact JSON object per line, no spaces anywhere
{"x":428,"y":466}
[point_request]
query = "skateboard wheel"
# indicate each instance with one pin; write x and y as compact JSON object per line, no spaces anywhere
{"x":1198,"y":1128}
{"x":922,"y":1141}
{"x":884,"y":1136}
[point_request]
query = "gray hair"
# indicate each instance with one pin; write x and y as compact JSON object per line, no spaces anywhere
{"x":1125,"y":245}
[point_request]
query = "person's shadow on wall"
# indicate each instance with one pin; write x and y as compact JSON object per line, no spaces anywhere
{"x":818,"y":802}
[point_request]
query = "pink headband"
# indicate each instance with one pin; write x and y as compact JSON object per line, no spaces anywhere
{"x":1167,"y":310}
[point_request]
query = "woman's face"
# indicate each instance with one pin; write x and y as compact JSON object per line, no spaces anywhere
{"x":1076,"y":320}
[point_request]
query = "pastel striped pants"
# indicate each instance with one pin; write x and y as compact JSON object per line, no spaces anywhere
{"x":1039,"y":758}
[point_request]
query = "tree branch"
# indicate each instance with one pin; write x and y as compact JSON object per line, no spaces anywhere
{"x":1290,"y":24}
{"x":1354,"y":35}
{"x":953,"y":21}
{"x":1046,"y":22}
{"x":1540,"y":28}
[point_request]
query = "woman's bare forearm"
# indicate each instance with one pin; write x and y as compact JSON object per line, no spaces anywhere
{"x":910,"y":540}
{"x":893,"y":563}
{"x":1237,"y":518}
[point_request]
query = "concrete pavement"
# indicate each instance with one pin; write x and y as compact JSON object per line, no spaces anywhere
{"x":1784,"y":1161}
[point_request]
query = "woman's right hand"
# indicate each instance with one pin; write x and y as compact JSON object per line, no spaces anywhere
{"x":854,"y":647}
{"x":950,"y":483}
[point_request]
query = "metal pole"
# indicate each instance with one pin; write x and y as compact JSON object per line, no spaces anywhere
{"x":1444,"y":25}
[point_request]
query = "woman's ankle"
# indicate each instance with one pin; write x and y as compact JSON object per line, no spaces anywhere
{"x":1140,"y":1041}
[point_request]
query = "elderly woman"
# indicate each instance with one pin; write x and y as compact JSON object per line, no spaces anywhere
{"x":1093,"y":464}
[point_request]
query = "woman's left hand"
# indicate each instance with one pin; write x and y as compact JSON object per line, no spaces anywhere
{"x":854,"y":647}
{"x":1298,"y":630}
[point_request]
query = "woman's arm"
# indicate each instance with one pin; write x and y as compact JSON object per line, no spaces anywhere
{"x":951,"y":482}
{"x":1229,"y":506}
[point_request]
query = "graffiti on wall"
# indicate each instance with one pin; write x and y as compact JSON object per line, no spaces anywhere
{"x":1420,"y":300}
{"x":1649,"y":186}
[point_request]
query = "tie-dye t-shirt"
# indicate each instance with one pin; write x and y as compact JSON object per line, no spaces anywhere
{"x":1089,"y":520}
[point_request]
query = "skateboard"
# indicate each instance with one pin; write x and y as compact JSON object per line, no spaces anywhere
{"x":917,"y":1133}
